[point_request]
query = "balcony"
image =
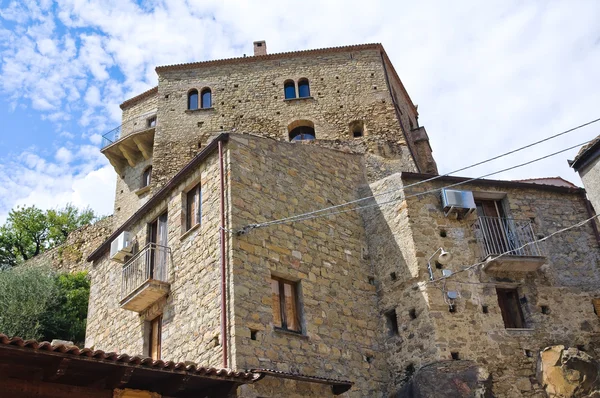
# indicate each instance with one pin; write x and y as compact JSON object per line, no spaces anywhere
{"x":496,"y":236}
{"x":131,"y":142}
{"x":145,"y":278}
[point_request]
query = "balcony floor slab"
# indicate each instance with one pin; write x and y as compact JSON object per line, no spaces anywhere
{"x":508,"y":263}
{"x":144,"y":296}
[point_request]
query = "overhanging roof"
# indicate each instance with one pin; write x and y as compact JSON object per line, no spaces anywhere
{"x":589,"y":151}
{"x":60,"y":364}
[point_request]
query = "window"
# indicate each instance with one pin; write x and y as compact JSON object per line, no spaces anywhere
{"x":154,"y":338}
{"x":206,"y":98}
{"x":302,"y":133}
{"x":508,"y":299}
{"x":303,"y":88}
{"x":193,"y":207}
{"x":146,"y":176}
{"x":193,"y":100}
{"x":357,"y":128}
{"x":285,"y":305}
{"x":151,"y":122}
{"x":392,"y":322}
{"x":289,"y":89}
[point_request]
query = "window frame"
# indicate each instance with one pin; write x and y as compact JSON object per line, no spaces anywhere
{"x":202,"y":103}
{"x":291,"y":84}
{"x":155,"y":339}
{"x":147,"y":177}
{"x":282,"y":308}
{"x":196,"y":193}
{"x":303,"y":83}
{"x":191,"y":93}
{"x":510,"y":319}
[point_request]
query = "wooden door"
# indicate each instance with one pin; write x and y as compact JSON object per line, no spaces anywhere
{"x":155,"y":338}
{"x":158,"y":235}
{"x":508,"y":300}
{"x":493,"y":225}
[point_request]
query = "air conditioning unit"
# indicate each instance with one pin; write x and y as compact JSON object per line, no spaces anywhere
{"x":457,"y":203}
{"x":120,"y":248}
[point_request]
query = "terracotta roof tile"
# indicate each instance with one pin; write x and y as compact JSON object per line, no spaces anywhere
{"x":130,"y":360}
{"x":269,"y":56}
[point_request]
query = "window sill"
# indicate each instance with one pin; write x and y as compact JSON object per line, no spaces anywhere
{"x":289,"y":333}
{"x":519,"y":330}
{"x":189,"y":232}
{"x":199,"y":110}
{"x":298,"y":99}
{"x":142,"y":190}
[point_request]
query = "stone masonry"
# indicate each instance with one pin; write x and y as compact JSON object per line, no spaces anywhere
{"x":367,"y":310}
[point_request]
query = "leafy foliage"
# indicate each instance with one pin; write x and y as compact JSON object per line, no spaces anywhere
{"x":29,"y":231}
{"x":36,"y":303}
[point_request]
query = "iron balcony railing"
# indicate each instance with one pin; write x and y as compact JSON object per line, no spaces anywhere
{"x":133,"y":125}
{"x":497,"y":235}
{"x":152,"y":262}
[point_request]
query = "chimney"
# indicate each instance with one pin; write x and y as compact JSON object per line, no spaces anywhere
{"x":260,"y":48}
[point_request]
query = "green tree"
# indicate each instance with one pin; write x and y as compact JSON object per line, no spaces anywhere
{"x":37,"y":303}
{"x":29,"y":231}
{"x":25,"y":295}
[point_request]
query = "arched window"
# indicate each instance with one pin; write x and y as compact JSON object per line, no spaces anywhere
{"x":147,"y":176}
{"x":206,"y":98}
{"x":302,"y":130}
{"x":193,"y":100}
{"x":290,"y":89}
{"x":303,"y":88}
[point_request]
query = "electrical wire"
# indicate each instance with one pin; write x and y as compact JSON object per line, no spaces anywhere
{"x":293,"y":218}
{"x":313,"y":215}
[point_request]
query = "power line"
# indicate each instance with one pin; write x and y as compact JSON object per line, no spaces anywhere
{"x":293,"y":218}
{"x":579,"y":224}
{"x":315,"y":214}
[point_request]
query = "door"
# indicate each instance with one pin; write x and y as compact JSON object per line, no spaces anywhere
{"x":158,"y":238}
{"x":493,"y":226}
{"x":510,"y":307}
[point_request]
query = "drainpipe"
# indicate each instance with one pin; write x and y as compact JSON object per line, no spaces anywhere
{"x":590,"y":213}
{"x":223,"y":263}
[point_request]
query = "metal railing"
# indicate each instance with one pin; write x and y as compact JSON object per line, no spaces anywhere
{"x":133,"y":125}
{"x":497,"y":235}
{"x":152,"y":262}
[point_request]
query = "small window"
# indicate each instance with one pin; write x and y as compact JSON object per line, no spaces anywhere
{"x":286,"y":314}
{"x":193,"y":207}
{"x":206,"y":98}
{"x":392,"y":322}
{"x":147,"y":176}
{"x":508,"y":299}
{"x":193,"y":100}
{"x":155,"y":338}
{"x":151,"y":122}
{"x":289,"y":89}
{"x":303,"y":88}
{"x":357,"y":129}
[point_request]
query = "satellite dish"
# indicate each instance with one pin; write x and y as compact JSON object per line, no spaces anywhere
{"x":452,"y":295}
{"x":444,"y":257}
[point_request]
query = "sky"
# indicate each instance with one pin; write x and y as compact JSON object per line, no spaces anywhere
{"x":488,"y":76}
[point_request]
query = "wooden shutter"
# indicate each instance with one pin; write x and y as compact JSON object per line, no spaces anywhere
{"x":155,"y":337}
{"x":276,"y":303}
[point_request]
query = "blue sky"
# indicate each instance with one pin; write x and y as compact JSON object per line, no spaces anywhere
{"x":487,"y":76}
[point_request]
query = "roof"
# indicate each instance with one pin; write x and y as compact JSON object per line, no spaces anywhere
{"x":558,"y":181}
{"x":494,"y":183}
{"x":587,"y":152}
{"x":139,"y":97}
{"x":162,"y":193}
{"x":267,"y":57}
{"x":68,"y":364}
{"x":339,"y":386}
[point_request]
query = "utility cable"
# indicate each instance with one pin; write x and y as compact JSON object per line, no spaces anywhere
{"x":313,"y":215}
{"x":293,"y":218}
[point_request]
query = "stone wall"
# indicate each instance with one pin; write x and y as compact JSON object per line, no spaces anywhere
{"x":590,"y":175}
{"x":565,"y":286}
{"x":191,"y":312}
{"x":342,"y":326}
{"x":71,"y":255}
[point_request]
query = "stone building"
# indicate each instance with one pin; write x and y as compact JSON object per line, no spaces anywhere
{"x":587,"y":164}
{"x":352,"y":300}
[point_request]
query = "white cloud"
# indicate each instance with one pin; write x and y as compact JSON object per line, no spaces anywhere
{"x":63,"y":155}
{"x":487,"y":77}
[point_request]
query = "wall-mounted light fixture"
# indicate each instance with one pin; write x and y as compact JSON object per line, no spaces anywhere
{"x":443,"y":258}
